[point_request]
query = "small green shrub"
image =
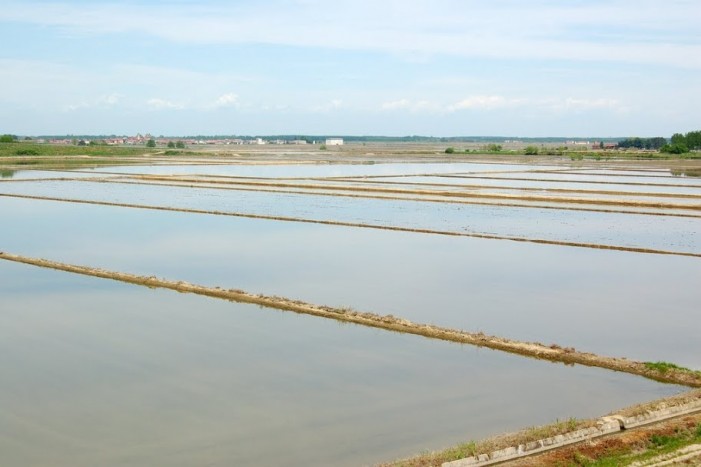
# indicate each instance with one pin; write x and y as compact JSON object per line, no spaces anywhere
{"x":27,"y":152}
{"x":450,"y":150}
{"x":462,"y":451}
{"x":663,"y":367}
{"x":661,"y":440}
{"x":677,"y":148}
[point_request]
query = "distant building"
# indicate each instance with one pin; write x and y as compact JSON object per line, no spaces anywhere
{"x":334,"y":141}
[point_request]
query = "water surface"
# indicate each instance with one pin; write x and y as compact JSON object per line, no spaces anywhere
{"x":97,"y":372}
{"x":635,"y":305}
{"x":629,"y":230}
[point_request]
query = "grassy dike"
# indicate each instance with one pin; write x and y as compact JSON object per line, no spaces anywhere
{"x":26,"y":155}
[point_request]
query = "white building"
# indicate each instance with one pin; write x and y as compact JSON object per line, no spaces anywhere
{"x":334,"y":141}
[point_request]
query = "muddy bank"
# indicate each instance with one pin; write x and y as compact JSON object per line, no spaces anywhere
{"x":553,"y":352}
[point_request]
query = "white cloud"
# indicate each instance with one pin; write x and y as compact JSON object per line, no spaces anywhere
{"x":400,"y":104}
{"x":415,"y":106}
{"x":498,"y":102}
{"x":655,"y":32}
{"x":163,"y":104}
{"x":586,"y":104}
{"x":485,"y":103}
{"x":109,"y":100}
{"x":103,"y":102}
{"x":333,"y":104}
{"x":226,"y":100}
{"x":579,"y":105}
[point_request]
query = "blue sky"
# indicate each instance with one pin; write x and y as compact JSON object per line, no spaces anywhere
{"x":382,"y":67}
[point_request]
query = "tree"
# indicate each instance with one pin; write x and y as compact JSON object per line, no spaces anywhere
{"x":643,"y":143}
{"x":693,"y":139}
{"x":677,"y":148}
{"x":655,"y":143}
{"x":6,"y":138}
{"x":450,"y":150}
{"x":151,"y":143}
{"x":678,"y":138}
{"x":531,"y":151}
{"x":180,"y":145}
{"x":171,"y":145}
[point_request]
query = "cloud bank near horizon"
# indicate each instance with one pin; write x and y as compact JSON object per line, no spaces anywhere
{"x":440,"y":67}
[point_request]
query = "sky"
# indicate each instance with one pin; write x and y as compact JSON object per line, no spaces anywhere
{"x":351,"y":67}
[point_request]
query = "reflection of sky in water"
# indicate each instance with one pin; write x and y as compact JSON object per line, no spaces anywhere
{"x":97,"y":372}
{"x":622,"y":304}
{"x":630,"y":230}
{"x":545,"y":185}
{"x":320,"y":170}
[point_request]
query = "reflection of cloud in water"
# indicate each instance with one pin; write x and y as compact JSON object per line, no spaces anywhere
{"x":527,"y":292}
{"x":180,"y":379}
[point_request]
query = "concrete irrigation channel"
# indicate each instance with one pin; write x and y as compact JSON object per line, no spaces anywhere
{"x":554,"y":353}
{"x":618,"y":431}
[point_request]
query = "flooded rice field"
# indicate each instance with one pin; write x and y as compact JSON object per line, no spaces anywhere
{"x":634,"y":230}
{"x":550,"y":294}
{"x":102,"y":372}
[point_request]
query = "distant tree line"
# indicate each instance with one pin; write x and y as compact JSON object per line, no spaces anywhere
{"x":643,"y":143}
{"x":685,"y":143}
{"x":8,"y":138}
{"x":679,"y":143}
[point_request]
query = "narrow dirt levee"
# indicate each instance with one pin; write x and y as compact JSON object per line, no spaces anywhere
{"x":553,"y":353}
{"x":394,"y":228}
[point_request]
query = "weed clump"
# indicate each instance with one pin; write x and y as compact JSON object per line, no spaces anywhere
{"x":27,"y":152}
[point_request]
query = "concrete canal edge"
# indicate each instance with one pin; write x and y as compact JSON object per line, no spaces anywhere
{"x":607,"y":425}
